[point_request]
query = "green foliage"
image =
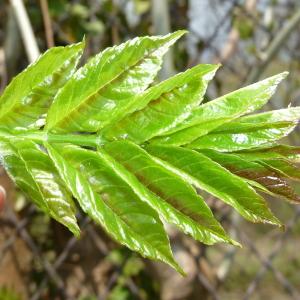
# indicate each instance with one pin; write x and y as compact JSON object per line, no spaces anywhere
{"x":8,"y":294}
{"x":132,"y":155}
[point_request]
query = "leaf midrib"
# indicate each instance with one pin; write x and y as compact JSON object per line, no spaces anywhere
{"x":158,"y":198}
{"x":127,"y":224}
{"x":160,"y":254}
{"x":31,"y":176}
{"x":44,"y":79}
{"x":75,"y":108}
{"x":201,"y":185}
{"x":254,"y":127}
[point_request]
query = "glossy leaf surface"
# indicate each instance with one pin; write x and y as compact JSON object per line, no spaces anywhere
{"x":273,"y":181}
{"x":111,"y":202}
{"x":107,"y":84}
{"x":290,"y":153}
{"x":283,"y":166}
{"x":250,"y":131}
{"x":216,"y":180}
{"x":112,"y":143}
{"x":164,"y":106}
{"x":35,"y":174}
{"x":215,"y":113}
{"x":25,"y":102}
{"x":175,"y":200}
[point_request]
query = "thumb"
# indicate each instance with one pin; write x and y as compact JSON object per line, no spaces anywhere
{"x":2,"y":197}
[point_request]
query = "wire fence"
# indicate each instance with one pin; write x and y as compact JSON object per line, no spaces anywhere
{"x":251,"y":39}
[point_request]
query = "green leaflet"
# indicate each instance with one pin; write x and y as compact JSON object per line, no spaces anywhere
{"x":175,"y":200}
{"x":35,"y":174}
{"x":287,"y":115}
{"x":215,"y":113}
{"x":284,"y":167}
{"x":107,"y":83}
{"x":270,"y":179}
{"x":277,"y":151}
{"x":250,"y":131}
{"x":281,"y":159}
{"x":25,"y":102}
{"x":163,"y":106}
{"x":112,"y":202}
{"x":208,"y":175}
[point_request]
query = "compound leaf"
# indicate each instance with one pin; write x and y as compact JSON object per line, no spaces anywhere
{"x":134,"y":155}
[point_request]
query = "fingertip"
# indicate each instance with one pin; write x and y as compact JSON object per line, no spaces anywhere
{"x":2,"y":197}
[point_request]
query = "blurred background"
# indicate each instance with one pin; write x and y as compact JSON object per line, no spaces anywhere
{"x":253,"y":39}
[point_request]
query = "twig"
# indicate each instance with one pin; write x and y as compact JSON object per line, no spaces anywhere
{"x":27,"y":34}
{"x":37,"y":254}
{"x":211,"y":289}
{"x":47,"y":23}
{"x":229,"y":257}
{"x":161,"y":25}
{"x":3,"y":71}
{"x":59,"y":261}
{"x":274,"y":47}
{"x":268,"y":265}
{"x":276,"y":249}
{"x":230,"y":47}
{"x":13,"y":49}
{"x":114,"y":26}
{"x":234,"y":35}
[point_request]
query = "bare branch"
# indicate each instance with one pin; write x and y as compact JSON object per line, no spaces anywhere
{"x":47,"y":23}
{"x":27,"y":34}
{"x":274,"y":47}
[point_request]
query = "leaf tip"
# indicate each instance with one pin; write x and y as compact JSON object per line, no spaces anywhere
{"x":181,"y":32}
{"x":74,"y":228}
{"x":210,"y":75}
{"x":170,"y":260}
{"x":83,"y":41}
{"x":279,"y":77}
{"x":284,"y":74}
{"x":282,"y":227}
{"x":276,"y":222}
{"x":178,"y":268}
{"x":77,"y":233}
{"x":80,"y":45}
{"x":174,"y":36}
{"x":275,"y":79}
{"x":235,"y":243}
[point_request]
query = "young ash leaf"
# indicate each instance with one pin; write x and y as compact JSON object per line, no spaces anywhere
{"x":132,"y":155}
